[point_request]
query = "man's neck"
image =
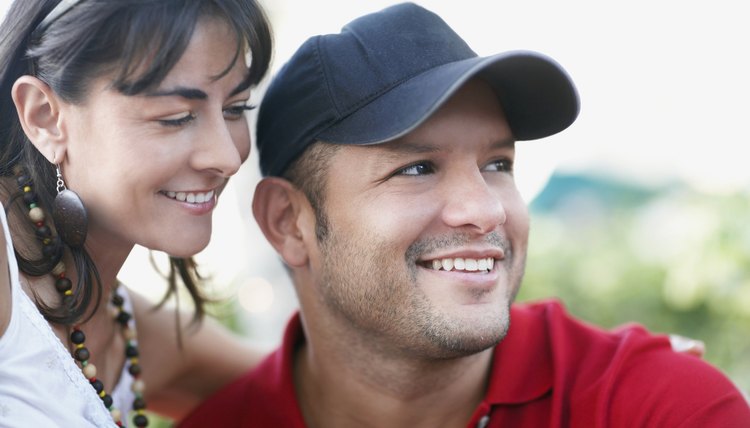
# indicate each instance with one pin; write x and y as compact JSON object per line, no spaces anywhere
{"x":359,"y":386}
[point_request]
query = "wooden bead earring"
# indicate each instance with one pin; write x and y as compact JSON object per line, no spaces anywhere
{"x":69,"y":214}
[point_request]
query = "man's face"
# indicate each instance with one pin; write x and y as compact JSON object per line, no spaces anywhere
{"x":426,"y":235}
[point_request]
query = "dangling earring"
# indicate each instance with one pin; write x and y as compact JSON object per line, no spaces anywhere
{"x":69,"y":214}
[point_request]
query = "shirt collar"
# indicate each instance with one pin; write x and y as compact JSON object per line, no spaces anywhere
{"x":522,"y":369}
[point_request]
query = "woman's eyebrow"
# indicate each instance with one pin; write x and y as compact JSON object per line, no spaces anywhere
{"x":179,"y":91}
{"x":195,"y":93}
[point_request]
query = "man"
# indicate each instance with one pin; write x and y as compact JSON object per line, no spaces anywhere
{"x":388,"y":152}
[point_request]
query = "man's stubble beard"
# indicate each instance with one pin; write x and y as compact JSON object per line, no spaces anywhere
{"x":379,"y":299}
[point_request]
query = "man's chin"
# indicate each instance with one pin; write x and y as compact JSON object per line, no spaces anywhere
{"x":471,"y":336}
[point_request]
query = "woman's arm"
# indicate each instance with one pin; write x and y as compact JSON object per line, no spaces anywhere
{"x":178,"y":379}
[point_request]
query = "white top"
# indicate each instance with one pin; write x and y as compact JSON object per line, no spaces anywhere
{"x":40,"y":383}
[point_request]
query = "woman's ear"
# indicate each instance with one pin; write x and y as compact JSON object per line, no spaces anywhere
{"x":39,"y":113}
{"x":278,"y":208}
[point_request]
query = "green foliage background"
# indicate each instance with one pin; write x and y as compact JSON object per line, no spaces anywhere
{"x":670,"y":258}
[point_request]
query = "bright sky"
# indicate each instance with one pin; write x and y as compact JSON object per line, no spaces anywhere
{"x":664,"y":89}
{"x":663,"y":85}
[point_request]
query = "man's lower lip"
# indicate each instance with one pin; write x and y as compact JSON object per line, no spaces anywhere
{"x":469,"y":272}
{"x":490,"y":277}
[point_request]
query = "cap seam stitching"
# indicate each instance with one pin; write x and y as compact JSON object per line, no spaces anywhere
{"x":377,"y":94}
{"x":324,"y":72}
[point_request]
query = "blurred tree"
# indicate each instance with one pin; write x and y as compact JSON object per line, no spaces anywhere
{"x":672,"y":259}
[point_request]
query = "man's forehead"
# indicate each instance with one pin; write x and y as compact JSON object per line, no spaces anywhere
{"x":396,"y":149}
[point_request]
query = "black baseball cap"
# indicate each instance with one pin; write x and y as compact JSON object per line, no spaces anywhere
{"x":385,"y":73}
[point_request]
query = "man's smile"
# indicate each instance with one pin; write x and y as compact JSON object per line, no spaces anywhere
{"x":465,"y":264}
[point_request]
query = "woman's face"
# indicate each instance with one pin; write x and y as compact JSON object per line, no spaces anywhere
{"x":150,"y":167}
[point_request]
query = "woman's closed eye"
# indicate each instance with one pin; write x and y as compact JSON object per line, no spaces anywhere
{"x":178,"y":119}
{"x":236,"y":111}
{"x":232,"y":112}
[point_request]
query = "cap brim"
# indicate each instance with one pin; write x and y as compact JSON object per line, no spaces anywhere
{"x":537,"y":96}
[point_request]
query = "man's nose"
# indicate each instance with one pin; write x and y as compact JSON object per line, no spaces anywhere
{"x":471,"y":203}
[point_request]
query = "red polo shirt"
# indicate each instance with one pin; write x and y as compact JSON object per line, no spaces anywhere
{"x":550,"y":371}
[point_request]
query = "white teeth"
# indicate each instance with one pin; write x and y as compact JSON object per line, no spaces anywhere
{"x":191,"y":198}
{"x":464,"y":264}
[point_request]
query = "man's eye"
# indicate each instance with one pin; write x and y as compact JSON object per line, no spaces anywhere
{"x":421,"y":168}
{"x":499,"y":165}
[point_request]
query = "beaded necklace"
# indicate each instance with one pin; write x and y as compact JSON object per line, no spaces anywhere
{"x":64,"y":286}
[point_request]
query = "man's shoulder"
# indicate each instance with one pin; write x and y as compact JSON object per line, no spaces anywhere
{"x":578,"y":341}
{"x":263,"y":396}
{"x":629,"y":353}
{"x":627,"y":373}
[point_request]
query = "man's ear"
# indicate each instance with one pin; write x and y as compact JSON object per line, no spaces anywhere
{"x":281,"y":210}
{"x":39,"y":113}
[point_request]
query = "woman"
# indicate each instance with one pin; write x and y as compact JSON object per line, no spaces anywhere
{"x":120,"y":124}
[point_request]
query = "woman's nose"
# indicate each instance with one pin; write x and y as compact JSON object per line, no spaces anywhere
{"x":219,"y":149}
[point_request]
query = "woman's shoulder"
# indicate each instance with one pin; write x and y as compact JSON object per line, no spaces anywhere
{"x":5,"y":285}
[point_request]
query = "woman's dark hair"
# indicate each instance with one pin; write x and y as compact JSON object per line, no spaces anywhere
{"x":136,"y":41}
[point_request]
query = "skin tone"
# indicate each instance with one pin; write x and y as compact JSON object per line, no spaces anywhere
{"x":395,"y":336}
{"x":391,"y":341}
{"x":149,"y":169}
